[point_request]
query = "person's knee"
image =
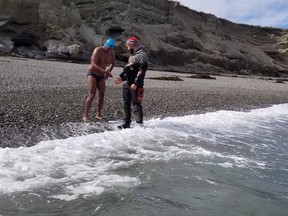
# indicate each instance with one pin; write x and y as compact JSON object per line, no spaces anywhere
{"x":127,"y":101}
{"x":91,"y":95}
{"x":127,"y":104}
{"x":101,"y":94}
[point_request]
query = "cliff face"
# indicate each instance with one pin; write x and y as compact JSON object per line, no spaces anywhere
{"x":175,"y":37}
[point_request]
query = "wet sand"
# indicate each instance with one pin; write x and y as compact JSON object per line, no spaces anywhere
{"x":37,"y":94}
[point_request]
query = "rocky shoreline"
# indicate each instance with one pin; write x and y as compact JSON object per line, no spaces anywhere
{"x":49,"y":95}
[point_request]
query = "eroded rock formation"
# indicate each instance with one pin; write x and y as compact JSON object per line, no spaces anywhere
{"x":176,"y":37}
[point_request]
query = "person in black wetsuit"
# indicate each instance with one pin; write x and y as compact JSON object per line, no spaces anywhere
{"x":134,"y":74}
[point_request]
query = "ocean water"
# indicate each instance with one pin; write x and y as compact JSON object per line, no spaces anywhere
{"x":217,"y":163}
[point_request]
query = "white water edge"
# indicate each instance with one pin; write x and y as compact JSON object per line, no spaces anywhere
{"x":85,"y":165}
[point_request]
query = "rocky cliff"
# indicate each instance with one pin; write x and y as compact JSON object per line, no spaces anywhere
{"x":176,"y":37}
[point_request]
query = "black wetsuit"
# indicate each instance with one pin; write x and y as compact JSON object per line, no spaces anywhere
{"x":134,"y":74}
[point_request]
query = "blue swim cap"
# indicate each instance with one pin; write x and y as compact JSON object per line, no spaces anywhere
{"x":110,"y":43}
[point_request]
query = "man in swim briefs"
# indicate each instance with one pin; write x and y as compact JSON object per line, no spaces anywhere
{"x":101,"y":65}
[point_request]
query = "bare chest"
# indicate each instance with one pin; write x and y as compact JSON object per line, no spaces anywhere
{"x":105,"y":58}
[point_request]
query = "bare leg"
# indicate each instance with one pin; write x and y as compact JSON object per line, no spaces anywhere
{"x":101,"y":90}
{"x":91,"y":81}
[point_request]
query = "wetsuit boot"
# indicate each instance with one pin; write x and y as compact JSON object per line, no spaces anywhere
{"x":123,"y":126}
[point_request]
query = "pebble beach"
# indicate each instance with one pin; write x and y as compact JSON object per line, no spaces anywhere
{"x":37,"y":94}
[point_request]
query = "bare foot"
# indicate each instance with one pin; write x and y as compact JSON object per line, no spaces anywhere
{"x":85,"y":119}
{"x":98,"y":118}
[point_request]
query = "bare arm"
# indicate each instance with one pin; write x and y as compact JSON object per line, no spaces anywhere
{"x":112,"y":61}
{"x":112,"y":64}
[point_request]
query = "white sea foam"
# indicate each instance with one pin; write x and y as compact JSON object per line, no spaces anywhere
{"x":87,"y":165}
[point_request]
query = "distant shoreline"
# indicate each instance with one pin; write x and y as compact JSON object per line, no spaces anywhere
{"x":37,"y":93}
